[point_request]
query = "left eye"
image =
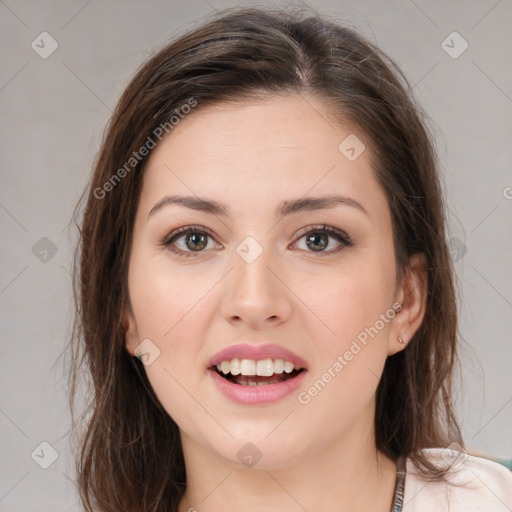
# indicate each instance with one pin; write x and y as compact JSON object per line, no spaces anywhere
{"x":317,"y":239}
{"x":195,"y":240}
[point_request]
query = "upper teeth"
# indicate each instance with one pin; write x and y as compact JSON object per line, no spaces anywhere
{"x":263,"y":368}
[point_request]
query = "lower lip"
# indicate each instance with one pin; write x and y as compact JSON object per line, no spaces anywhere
{"x":256,"y":395}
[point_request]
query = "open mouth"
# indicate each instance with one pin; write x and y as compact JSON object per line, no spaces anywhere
{"x":258,"y":380}
{"x":247,"y":372}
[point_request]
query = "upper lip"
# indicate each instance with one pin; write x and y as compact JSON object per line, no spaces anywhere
{"x":257,"y":352}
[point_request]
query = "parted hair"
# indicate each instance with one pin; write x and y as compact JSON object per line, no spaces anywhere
{"x":128,"y":450}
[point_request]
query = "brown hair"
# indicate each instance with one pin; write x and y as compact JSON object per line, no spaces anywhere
{"x":130,"y":455}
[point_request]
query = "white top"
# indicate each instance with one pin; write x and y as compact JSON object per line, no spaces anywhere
{"x":479,"y":485}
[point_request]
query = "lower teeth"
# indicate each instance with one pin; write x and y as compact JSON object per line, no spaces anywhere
{"x":254,"y":380}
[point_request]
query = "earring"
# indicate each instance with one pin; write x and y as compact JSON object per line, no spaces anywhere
{"x":400,"y":340}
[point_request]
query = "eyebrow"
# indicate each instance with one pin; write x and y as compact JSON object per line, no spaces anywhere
{"x":285,"y":208}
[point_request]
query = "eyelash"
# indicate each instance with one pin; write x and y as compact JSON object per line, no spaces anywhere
{"x":335,"y":233}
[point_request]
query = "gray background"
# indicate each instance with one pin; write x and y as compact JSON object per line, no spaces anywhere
{"x":53,"y":112}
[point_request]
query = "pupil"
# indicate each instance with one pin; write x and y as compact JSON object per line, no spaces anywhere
{"x":196,"y":238}
{"x":315,"y":238}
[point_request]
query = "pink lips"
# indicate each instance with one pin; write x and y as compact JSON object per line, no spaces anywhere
{"x":246,"y":351}
{"x":256,"y":395}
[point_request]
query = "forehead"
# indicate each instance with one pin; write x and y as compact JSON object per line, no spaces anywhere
{"x":254,"y":154}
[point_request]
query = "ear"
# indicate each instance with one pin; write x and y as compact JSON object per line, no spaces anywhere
{"x":131,"y":333}
{"x":412,"y":295}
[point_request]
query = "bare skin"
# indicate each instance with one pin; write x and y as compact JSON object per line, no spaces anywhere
{"x":251,"y":157}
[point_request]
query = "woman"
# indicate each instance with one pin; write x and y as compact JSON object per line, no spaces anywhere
{"x":266,"y":299}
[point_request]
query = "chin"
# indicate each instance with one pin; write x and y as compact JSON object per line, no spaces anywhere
{"x":259,"y":450}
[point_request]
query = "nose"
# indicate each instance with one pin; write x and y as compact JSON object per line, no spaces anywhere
{"x":255,"y":293}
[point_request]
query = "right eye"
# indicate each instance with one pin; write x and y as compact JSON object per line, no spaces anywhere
{"x":193,"y":239}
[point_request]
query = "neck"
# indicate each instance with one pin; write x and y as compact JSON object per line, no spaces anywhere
{"x":346,"y":475}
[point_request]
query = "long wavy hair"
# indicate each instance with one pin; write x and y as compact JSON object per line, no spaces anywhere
{"x":129,"y":454}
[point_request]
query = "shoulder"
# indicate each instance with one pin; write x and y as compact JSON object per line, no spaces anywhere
{"x":473,"y":484}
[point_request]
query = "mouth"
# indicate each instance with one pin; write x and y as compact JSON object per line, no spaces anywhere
{"x":251,"y":372}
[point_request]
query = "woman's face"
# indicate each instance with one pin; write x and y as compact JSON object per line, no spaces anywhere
{"x":259,"y":277}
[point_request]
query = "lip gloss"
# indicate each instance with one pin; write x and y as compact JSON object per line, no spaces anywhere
{"x":256,"y":395}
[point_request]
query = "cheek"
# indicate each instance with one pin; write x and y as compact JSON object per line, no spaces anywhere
{"x":165,"y":299}
{"x":170,"y":380}
{"x":167,"y":310}
{"x":349,"y":364}
{"x":170,"y":312}
{"x":350,"y":298}
{"x":350,"y":301}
